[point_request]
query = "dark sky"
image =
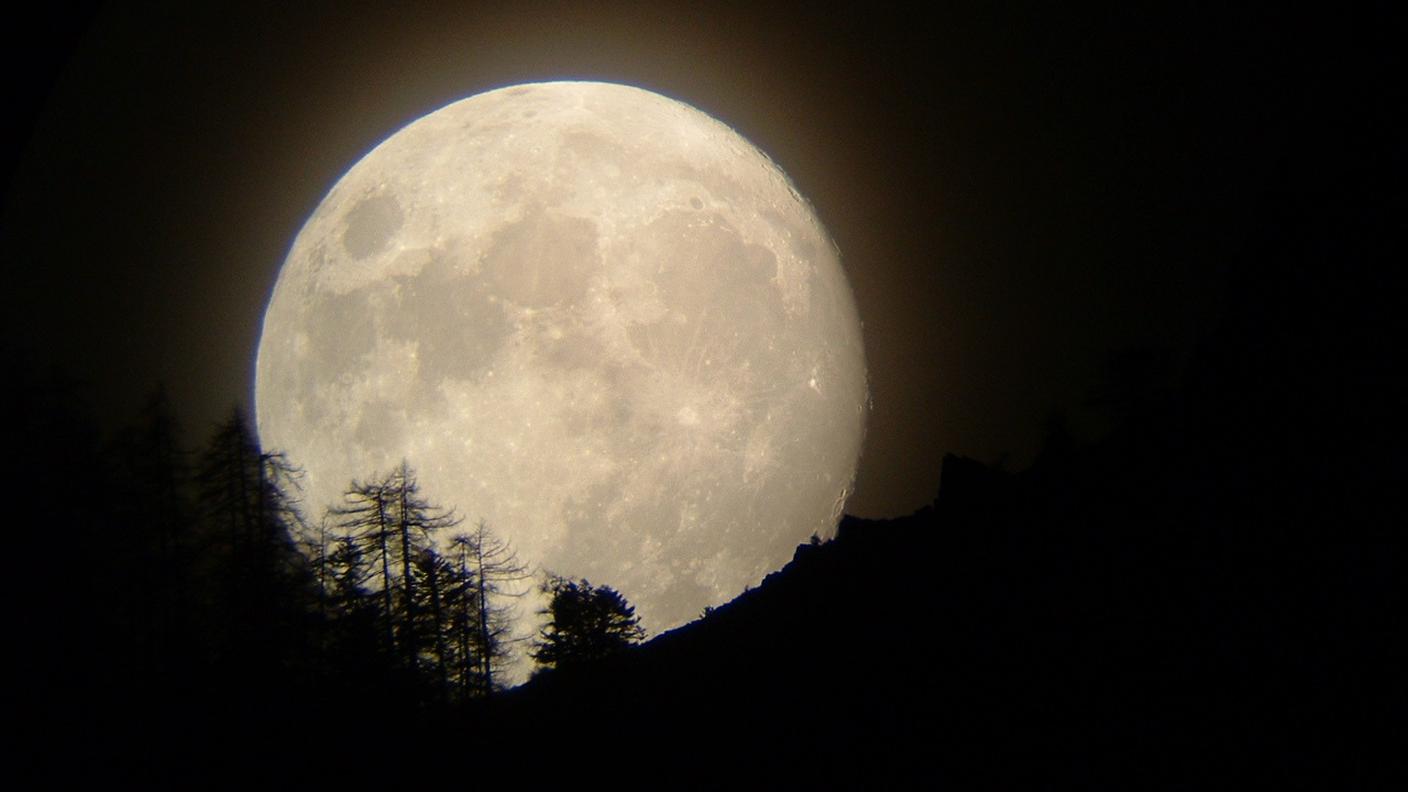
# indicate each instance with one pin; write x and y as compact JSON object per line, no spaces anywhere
{"x":1016,"y":194}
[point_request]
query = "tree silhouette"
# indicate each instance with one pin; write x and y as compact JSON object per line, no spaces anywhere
{"x":366,"y":524}
{"x":486,"y":568}
{"x":150,"y":502}
{"x":417,"y":521}
{"x":386,"y":520}
{"x":248,"y":498}
{"x":434,"y":577}
{"x":585,"y":623}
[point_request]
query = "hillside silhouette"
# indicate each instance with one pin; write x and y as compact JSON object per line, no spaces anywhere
{"x":1209,"y":594}
{"x":1067,"y":625}
{"x":1210,"y":591}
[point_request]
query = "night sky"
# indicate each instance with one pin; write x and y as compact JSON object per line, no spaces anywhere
{"x":1017,"y":195}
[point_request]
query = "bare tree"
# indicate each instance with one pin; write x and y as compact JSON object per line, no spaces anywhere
{"x":387,"y":520}
{"x":487,"y":570}
{"x":417,"y":521}
{"x":433,"y":575}
{"x":365,"y":523}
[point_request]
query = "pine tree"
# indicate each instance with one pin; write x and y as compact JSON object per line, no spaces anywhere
{"x":151,"y":502}
{"x":248,"y":497}
{"x":585,"y":623}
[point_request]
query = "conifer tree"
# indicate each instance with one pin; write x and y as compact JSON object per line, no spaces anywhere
{"x":586,"y":623}
{"x":248,"y":497}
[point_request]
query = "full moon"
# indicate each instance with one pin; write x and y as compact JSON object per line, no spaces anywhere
{"x":590,"y":315}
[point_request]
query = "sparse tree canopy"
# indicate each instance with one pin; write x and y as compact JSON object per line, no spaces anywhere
{"x":585,"y":623}
{"x":439,"y":615}
{"x":388,"y":523}
{"x":488,"y":571}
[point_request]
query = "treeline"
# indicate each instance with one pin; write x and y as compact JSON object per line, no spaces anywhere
{"x":176,"y":579}
{"x":367,"y":589}
{"x":177,"y":607}
{"x":441,"y":616}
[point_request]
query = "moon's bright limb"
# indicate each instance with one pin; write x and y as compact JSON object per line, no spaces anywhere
{"x":591,"y":315}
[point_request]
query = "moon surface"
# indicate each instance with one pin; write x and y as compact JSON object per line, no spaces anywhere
{"x":590,"y":315}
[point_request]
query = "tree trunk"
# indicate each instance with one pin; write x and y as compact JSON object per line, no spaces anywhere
{"x":408,"y":625}
{"x":385,"y":571}
{"x":486,"y":653}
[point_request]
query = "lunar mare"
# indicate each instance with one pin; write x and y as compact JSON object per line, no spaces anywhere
{"x":594,"y":317}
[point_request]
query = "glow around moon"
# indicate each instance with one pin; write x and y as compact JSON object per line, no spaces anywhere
{"x":594,"y":317}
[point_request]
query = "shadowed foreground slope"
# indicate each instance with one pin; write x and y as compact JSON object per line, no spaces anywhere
{"x":1010,"y":634}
